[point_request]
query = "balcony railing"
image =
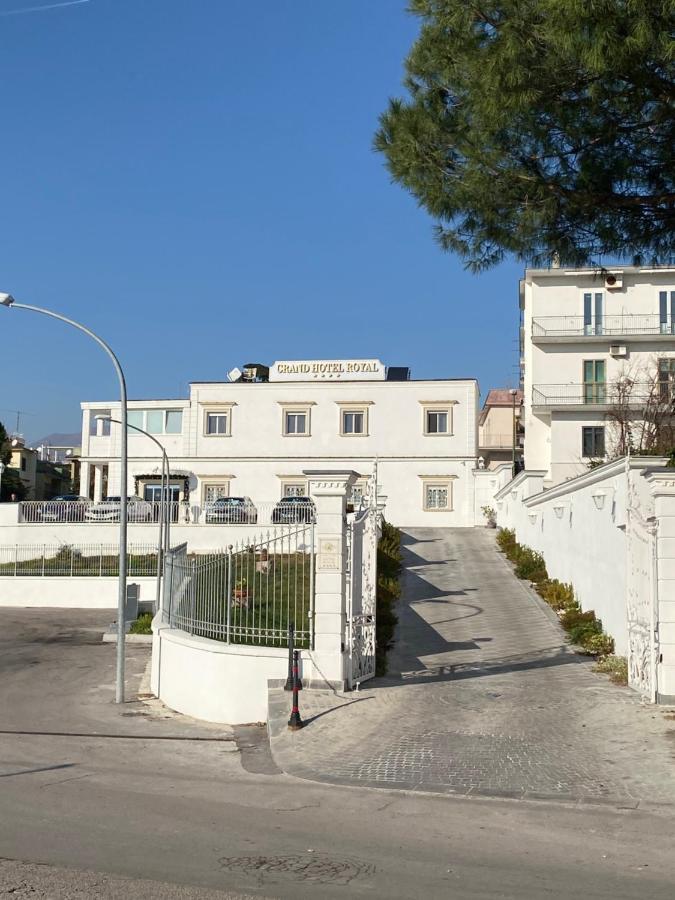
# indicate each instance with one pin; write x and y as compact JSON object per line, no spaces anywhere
{"x":498,"y":441}
{"x":635,"y":394}
{"x":608,"y":326}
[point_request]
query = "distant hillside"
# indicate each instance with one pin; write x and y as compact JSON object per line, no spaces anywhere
{"x":59,"y":440}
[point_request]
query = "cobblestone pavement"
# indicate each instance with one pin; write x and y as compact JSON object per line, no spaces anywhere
{"x":483,"y":696}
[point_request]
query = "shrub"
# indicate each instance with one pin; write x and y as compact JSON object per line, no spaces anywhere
{"x":506,"y":539}
{"x":614,"y":666}
{"x":558,"y":595}
{"x":530,"y":565}
{"x":142,"y":624}
{"x":599,"y":645}
{"x":389,"y":558}
{"x":581,"y":626}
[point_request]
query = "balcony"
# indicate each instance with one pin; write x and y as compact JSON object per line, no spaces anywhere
{"x":599,"y":396}
{"x":567,"y":329}
{"x":499,"y":441}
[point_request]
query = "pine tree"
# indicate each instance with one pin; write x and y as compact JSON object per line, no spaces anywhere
{"x":540,"y":128}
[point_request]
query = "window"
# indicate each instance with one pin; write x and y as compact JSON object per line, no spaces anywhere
{"x":294,"y":489}
{"x":593,"y":313}
{"x":594,"y":381}
{"x":135,"y":417}
{"x":154,"y":421}
{"x":666,"y":312}
{"x":174,"y":421}
{"x":437,"y":493}
{"x":23,"y":463}
{"x":358,"y":493}
{"x":213,"y":492}
{"x":666,"y":380}
{"x":216,"y":423}
{"x":437,"y":416}
{"x":593,"y":441}
{"x":296,"y":422}
{"x":354,"y":418}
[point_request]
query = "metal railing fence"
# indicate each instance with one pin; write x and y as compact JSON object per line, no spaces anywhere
{"x":613,"y":325}
{"x":88,"y":560}
{"x":597,"y":394}
{"x":248,"y":594}
{"x":50,"y":512}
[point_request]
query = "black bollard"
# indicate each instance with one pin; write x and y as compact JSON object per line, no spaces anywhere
{"x":291,"y":649}
{"x":295,"y":723}
{"x":291,"y":644}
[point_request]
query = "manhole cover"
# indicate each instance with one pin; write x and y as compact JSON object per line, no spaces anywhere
{"x":310,"y":867}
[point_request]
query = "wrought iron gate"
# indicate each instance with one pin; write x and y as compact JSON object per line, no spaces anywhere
{"x":362,"y":536}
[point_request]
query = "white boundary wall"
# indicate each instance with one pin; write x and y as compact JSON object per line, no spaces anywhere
{"x":69,"y":593}
{"x":582,"y":527}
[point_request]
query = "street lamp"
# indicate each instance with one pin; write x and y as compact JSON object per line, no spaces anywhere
{"x":163,"y":542}
{"x":8,"y":300}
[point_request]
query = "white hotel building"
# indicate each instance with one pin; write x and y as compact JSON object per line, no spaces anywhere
{"x":256,"y":436}
{"x":585,"y":331}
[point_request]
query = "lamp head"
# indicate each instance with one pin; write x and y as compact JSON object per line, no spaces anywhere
{"x":101,"y":418}
{"x":6,"y":299}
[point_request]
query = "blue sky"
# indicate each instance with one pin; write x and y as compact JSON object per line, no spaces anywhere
{"x":195,"y":180}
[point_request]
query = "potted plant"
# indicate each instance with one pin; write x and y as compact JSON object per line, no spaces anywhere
{"x":490,"y":516}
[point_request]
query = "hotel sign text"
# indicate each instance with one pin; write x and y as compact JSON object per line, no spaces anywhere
{"x":328,"y":369}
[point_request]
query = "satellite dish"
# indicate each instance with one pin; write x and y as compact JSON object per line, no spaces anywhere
{"x":234,"y":374}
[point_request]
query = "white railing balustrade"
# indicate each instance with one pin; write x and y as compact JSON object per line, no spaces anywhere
{"x":86,"y":560}
{"x":226,"y":511}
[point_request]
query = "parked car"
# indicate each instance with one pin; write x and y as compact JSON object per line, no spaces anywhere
{"x":108,"y":510}
{"x":64,"y":508}
{"x":290,"y":510}
{"x":232,"y":510}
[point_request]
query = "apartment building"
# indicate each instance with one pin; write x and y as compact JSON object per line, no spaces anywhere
{"x":255,"y":434}
{"x":597,"y":345}
{"x":500,"y":428}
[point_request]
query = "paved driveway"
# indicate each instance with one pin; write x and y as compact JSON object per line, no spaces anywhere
{"x":483,"y":696}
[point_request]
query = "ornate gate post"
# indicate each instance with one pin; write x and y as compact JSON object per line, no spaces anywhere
{"x":329,"y":490}
{"x":662,"y":486}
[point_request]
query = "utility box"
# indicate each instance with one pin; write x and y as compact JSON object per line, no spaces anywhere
{"x":131,"y":605}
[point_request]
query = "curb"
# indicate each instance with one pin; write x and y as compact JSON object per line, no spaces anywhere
{"x":110,"y":637}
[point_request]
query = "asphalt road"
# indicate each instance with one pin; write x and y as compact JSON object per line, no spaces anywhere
{"x":104,"y":794}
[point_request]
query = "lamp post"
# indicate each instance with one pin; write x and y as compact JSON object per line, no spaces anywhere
{"x":163,"y":542}
{"x":9,"y":301}
{"x":513,"y":393}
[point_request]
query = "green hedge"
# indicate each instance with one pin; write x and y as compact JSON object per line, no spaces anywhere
{"x":583,"y":628}
{"x":389,"y":558}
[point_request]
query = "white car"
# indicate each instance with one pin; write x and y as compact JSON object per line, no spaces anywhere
{"x":108,"y":510}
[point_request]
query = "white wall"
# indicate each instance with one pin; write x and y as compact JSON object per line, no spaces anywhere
{"x":69,"y":593}
{"x":215,"y":681}
{"x":581,"y":544}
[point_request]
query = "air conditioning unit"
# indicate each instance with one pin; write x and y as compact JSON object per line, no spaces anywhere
{"x":618,"y":350}
{"x":613,"y":282}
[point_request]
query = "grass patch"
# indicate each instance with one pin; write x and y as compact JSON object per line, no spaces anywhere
{"x":70,"y":561}
{"x":389,"y":566}
{"x":141,"y":625}
{"x":614,"y":666}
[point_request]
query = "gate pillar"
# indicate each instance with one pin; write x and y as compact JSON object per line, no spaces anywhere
{"x":329,"y":490}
